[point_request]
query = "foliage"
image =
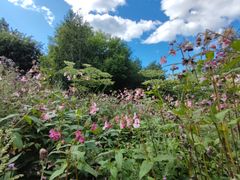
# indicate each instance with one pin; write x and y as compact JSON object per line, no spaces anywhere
{"x":183,"y":127}
{"x":76,"y":42}
{"x":20,"y":48}
{"x":86,"y":79}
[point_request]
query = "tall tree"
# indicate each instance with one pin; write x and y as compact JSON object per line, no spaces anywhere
{"x":75,"y":41}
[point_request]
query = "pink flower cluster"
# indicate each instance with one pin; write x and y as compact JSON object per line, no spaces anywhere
{"x":127,"y":122}
{"x":79,"y":136}
{"x":54,"y":135}
{"x":93,"y":109}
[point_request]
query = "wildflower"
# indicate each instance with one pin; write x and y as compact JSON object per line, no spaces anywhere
{"x":128,"y":120}
{"x":174,"y":67}
{"x":79,"y":136}
{"x":163,"y":60}
{"x":122,"y":124}
{"x":23,"y":79}
{"x":93,"y":109}
{"x":198,"y":41}
{"x":116,"y":119}
{"x":224,"y":97}
{"x":54,"y":135}
{"x":43,"y":153}
{"x":61,"y":107}
{"x":188,"y":46}
{"x":11,"y":166}
{"x":213,"y":46}
{"x":189,"y":103}
{"x":94,"y":126}
{"x":172,"y":52}
{"x":136,"y":119}
{"x":107,"y":125}
{"x":45,"y":116}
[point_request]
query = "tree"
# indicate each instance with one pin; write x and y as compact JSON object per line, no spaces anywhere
{"x":75,"y":41}
{"x":20,"y":48}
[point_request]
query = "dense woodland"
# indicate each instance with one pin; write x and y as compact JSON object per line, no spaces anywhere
{"x":86,"y":109}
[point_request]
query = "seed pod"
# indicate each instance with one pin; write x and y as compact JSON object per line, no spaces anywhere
{"x":43,"y":153}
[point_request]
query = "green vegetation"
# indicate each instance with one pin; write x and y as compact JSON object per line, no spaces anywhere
{"x":57,"y":122}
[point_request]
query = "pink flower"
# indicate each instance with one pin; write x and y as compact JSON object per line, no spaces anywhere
{"x":172,"y":52}
{"x":107,"y":125}
{"x":189,"y":103}
{"x":93,"y":109}
{"x":94,"y":126}
{"x":79,"y":136}
{"x":122,"y":124}
{"x":61,"y":107}
{"x":116,"y":119}
{"x":128,"y":120}
{"x":163,"y":60}
{"x":23,"y":79}
{"x":136,"y":119}
{"x":213,"y":46}
{"x":54,"y":135}
{"x":45,"y":116}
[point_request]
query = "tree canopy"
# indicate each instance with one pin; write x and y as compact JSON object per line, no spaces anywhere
{"x":20,"y":48}
{"x":77,"y":42}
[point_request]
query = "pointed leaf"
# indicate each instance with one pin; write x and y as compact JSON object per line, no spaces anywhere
{"x":145,"y":168}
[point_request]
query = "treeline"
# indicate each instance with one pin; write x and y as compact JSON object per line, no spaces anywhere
{"x":75,"y":41}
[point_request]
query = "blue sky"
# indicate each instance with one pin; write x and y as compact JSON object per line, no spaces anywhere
{"x":146,"y":25}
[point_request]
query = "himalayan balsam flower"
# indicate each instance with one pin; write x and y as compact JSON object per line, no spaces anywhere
{"x":136,"y":119}
{"x":172,"y":52}
{"x":79,"y":136}
{"x":163,"y":60}
{"x":122,"y":124}
{"x":94,"y":126}
{"x":93,"y":109}
{"x":107,"y":125}
{"x":129,"y":121}
{"x":54,"y":135}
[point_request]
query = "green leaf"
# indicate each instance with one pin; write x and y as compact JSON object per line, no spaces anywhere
{"x":17,"y":140}
{"x":221,"y":115}
{"x":14,"y":158}
{"x":236,"y":45}
{"x":114,"y":172}
{"x":58,"y":172}
{"x":145,"y":168}
{"x":119,"y":159}
{"x":90,"y":170}
{"x":210,"y":55}
{"x":8,"y":117}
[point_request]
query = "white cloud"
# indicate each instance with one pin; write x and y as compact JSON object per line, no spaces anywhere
{"x":30,"y":5}
{"x":96,"y":12}
{"x":188,"y":17}
{"x":123,"y":28}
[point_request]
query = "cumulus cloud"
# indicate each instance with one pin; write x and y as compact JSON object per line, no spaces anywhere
{"x":188,"y":17}
{"x":30,"y":5}
{"x":99,"y":6}
{"x":96,"y":12}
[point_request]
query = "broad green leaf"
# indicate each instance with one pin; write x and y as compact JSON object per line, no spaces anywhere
{"x":119,"y":159}
{"x":58,"y":172}
{"x":17,"y":140}
{"x":145,"y":168}
{"x":164,"y":157}
{"x":114,"y":172}
{"x":236,"y":45}
{"x":8,"y":117}
{"x":90,"y":170}
{"x":221,"y":115}
{"x":14,"y":158}
{"x":210,"y":55}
